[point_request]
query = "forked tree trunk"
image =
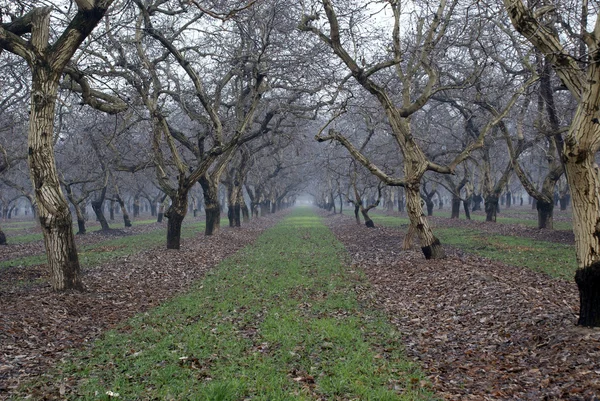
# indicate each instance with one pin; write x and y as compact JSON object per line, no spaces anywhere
{"x":430,"y":245}
{"x":175,"y":215}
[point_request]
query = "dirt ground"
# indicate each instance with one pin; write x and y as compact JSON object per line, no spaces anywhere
{"x":481,"y":330}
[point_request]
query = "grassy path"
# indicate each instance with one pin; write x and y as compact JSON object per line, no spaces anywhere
{"x":280,"y":320}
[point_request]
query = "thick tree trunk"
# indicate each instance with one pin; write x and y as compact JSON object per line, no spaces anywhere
{"x":545,"y":213}
{"x":491,"y":208}
{"x":53,"y":210}
{"x":212,"y":207}
{"x":430,"y":245}
{"x":455,"y":207}
{"x":582,"y":174}
{"x":508,"y":200}
{"x":175,"y":215}
{"x":2,"y":238}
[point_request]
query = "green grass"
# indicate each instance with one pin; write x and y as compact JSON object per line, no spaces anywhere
{"x":557,"y":260}
{"x":103,"y":251}
{"x":280,"y":320}
{"x":34,"y":237}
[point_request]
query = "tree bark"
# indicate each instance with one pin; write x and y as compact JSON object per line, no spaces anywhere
{"x":430,"y":245}
{"x":212,"y":207}
{"x":491,"y":207}
{"x":2,"y":238}
{"x":53,"y":211}
{"x":545,"y":211}
{"x":455,"y":207}
{"x":175,"y":215}
{"x":98,"y":208}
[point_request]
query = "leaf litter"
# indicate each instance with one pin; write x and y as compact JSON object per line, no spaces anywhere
{"x":481,"y":330}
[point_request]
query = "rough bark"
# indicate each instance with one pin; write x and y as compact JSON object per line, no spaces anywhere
{"x":212,"y":207}
{"x":175,"y":215}
{"x":430,"y":245}
{"x":545,"y":214}
{"x":53,"y":211}
{"x":2,"y":238}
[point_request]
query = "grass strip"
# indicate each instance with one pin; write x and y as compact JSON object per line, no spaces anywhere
{"x":103,"y":251}
{"x":556,"y":260}
{"x":280,"y":320}
{"x":34,"y":237}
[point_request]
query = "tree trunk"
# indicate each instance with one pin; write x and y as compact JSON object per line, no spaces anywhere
{"x":508,"y":200}
{"x":53,"y":210}
{"x":356,"y":211}
{"x":212,"y":207}
{"x":126,"y":220}
{"x":98,"y":208}
{"x":2,"y":238}
{"x":430,"y":245}
{"x":368,"y":222}
{"x":582,"y":174}
{"x":175,"y":215}
{"x":491,"y":207}
{"x":136,"y":206}
{"x":243,"y":207}
{"x":400,"y":200}
{"x":466,"y":207}
{"x":455,"y":207}
{"x":564,"y":201}
{"x":430,"y":205}
{"x":477,"y":199}
{"x":545,"y":211}
{"x":111,"y":206}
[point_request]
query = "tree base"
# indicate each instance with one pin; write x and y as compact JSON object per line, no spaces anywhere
{"x":434,"y":251}
{"x":588,"y":283}
{"x":370,"y":224}
{"x":2,"y":238}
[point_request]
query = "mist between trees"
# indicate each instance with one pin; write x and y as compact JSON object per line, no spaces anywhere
{"x":183,"y":107}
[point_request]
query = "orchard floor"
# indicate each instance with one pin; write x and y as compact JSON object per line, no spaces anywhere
{"x":39,"y":327}
{"x":480,"y":330}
